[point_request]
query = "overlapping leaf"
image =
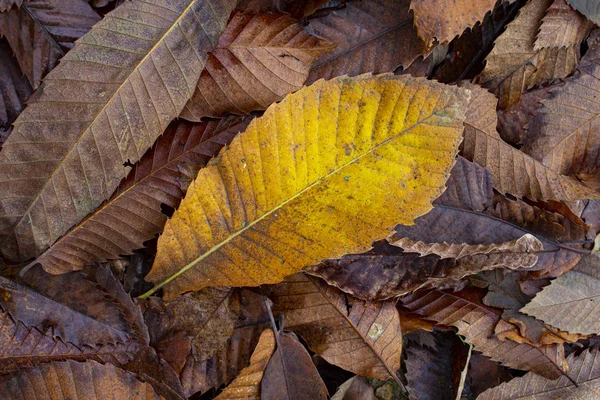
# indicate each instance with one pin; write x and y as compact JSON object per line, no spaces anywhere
{"x":258,"y":60}
{"x":477,"y":324}
{"x":134,"y":212}
{"x":589,"y":8}
{"x":40,"y":32}
{"x":251,"y":217}
{"x":362,"y":337}
{"x":371,"y":36}
{"x":562,"y":27}
{"x":111,"y":96}
{"x":14,"y":87}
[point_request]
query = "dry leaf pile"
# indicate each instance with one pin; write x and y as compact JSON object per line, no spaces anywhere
{"x":299,"y":199}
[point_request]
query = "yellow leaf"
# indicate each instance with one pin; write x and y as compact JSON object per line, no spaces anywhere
{"x":325,"y":172}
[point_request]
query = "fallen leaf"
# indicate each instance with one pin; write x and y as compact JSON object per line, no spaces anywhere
{"x":14,"y":88}
{"x":514,"y":66}
{"x":584,"y":369}
{"x":412,"y":322}
{"x":589,"y":8}
{"x":355,"y":388}
{"x":63,"y":160}
{"x":562,"y":27}
{"x":291,"y":373}
{"x":41,"y":31}
{"x":134,"y":213}
{"x":362,"y":337}
{"x":371,"y":36}
{"x":6,"y":4}
{"x":476,"y":322}
{"x":240,"y":227}
{"x":570,"y":302}
{"x":485,"y":373}
{"x":444,"y":21}
{"x":258,"y":60}
{"x":563,"y":135}
{"x":248,"y":382}
{"x":75,"y":380}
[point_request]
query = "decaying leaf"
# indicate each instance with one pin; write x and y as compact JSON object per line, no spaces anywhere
{"x":584,"y":370}
{"x":355,"y":388}
{"x":75,"y":380}
{"x":267,"y":206}
{"x":40,"y":32}
{"x":477,"y":323}
{"x":7,"y":4}
{"x":362,"y":337}
{"x":570,"y":302}
{"x":514,"y":66}
{"x":258,"y":60}
{"x":371,"y":36}
{"x":134,"y":212}
{"x":291,"y":373}
{"x":14,"y":87}
{"x":111,"y":96}
{"x":445,"y":20}
{"x":563,"y":135}
{"x":562,"y":27}
{"x":248,"y":382}
{"x":589,"y":8}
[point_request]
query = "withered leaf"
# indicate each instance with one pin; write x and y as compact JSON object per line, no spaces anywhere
{"x":248,"y":382}
{"x":40,"y":32}
{"x":371,"y":36}
{"x":570,"y":302}
{"x":584,"y":368}
{"x":14,"y":87}
{"x":589,"y":8}
{"x":562,"y":26}
{"x":75,"y":380}
{"x":355,"y":388}
{"x":111,"y":96}
{"x":444,"y":20}
{"x":258,"y":60}
{"x":362,"y":337}
{"x":86,"y":310}
{"x":291,"y":373}
{"x":477,"y":322}
{"x":134,"y":212}
{"x":6,"y":4}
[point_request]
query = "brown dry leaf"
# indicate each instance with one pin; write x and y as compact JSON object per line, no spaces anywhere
{"x":564,"y":134}
{"x":411,"y":322}
{"x":371,"y":36}
{"x":98,"y":111}
{"x":446,"y":20}
{"x":476,"y":322}
{"x":258,"y":60}
{"x":482,"y":109}
{"x":248,"y":382}
{"x":513,"y":65}
{"x":589,"y":8}
{"x":527,"y":246}
{"x":6,"y":4}
{"x":40,"y":32}
{"x":85,"y":310}
{"x":584,"y":370}
{"x":291,"y":373}
{"x":14,"y":87}
{"x":570,"y":302}
{"x":134,"y":212}
{"x":362,"y":337}
{"x":562,"y":26}
{"x":355,"y":388}
{"x":75,"y":380}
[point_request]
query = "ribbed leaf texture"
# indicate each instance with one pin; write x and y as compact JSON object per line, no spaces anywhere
{"x":583,"y":368}
{"x":570,"y":302}
{"x":255,"y":206}
{"x":106,"y":103}
{"x":562,"y":27}
{"x":513,"y":65}
{"x":40,"y":32}
{"x":362,"y":337}
{"x":247,"y":383}
{"x":134,"y":214}
{"x":371,"y":36}
{"x":258,"y":60}
{"x":74,"y":380}
{"x":589,"y":8}
{"x":444,"y":20}
{"x":476,"y":323}
{"x":564,"y":134}
{"x":14,"y":87}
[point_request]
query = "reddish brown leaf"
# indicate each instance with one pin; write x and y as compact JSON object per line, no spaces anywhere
{"x":6,"y":4}
{"x":134,"y":214}
{"x":476,"y":322}
{"x":291,"y":373}
{"x":371,"y":36}
{"x":258,"y":60}
{"x":40,"y":32}
{"x":14,"y":87}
